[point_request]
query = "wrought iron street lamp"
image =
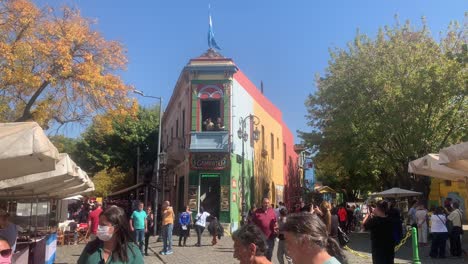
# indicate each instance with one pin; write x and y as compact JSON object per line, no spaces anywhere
{"x":242,"y":134}
{"x":157,"y":169}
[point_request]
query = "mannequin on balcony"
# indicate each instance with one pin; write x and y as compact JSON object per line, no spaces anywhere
{"x":209,"y":125}
{"x":219,"y":124}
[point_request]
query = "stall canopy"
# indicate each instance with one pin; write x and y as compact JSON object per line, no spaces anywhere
{"x":65,"y":171}
{"x":85,"y":187}
{"x":396,"y":193}
{"x":456,"y":156}
{"x":25,"y":149}
{"x":430,"y":165}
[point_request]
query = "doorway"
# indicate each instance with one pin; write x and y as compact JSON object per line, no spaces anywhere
{"x":181,"y":192}
{"x":210,"y":193}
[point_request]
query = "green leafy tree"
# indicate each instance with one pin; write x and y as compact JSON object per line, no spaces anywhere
{"x":108,"y":181}
{"x":65,"y":144}
{"x":386,"y":101}
{"x":112,"y":141}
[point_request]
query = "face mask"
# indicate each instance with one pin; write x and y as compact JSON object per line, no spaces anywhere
{"x":103,"y":233}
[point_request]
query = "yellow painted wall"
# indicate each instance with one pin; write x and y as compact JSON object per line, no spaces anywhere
{"x":439,"y":190}
{"x":268,"y":170}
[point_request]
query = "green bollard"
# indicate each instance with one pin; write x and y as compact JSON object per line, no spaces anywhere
{"x":414,"y":234}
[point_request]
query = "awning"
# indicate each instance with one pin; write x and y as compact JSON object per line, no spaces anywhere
{"x":25,"y":149}
{"x":85,"y":187}
{"x":131,"y":188}
{"x":325,"y":189}
{"x":430,"y":165}
{"x":79,"y":183}
{"x":456,"y":156}
{"x":65,"y":170}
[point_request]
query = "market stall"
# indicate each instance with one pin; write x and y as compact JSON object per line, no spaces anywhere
{"x":25,"y":149}
{"x":34,"y":177}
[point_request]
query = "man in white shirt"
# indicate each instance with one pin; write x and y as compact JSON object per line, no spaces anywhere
{"x":455,"y":242}
{"x":200,"y":224}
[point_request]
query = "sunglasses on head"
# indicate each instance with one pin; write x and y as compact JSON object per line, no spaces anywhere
{"x":6,"y":253}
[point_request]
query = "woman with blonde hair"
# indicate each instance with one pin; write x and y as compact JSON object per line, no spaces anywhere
{"x":307,"y":241}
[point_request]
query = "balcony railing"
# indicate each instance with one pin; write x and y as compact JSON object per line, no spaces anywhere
{"x":209,"y":141}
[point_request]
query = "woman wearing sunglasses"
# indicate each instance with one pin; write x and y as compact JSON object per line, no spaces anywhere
{"x":114,"y":243}
{"x":5,"y":251}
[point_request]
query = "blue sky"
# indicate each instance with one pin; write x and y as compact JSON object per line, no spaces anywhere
{"x":282,"y":43}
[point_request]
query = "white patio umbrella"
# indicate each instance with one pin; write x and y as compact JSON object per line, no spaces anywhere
{"x":430,"y":165}
{"x":456,"y":156}
{"x":396,"y":193}
{"x":65,"y":170}
{"x":25,"y":149}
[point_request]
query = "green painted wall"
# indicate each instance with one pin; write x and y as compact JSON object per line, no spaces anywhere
{"x":236,"y":207}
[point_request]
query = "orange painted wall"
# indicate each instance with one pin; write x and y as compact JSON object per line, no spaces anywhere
{"x":268,"y":167}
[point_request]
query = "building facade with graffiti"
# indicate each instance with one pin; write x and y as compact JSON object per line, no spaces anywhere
{"x":200,"y":135}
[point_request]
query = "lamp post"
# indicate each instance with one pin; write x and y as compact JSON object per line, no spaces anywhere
{"x":158,"y":154}
{"x":242,"y":134}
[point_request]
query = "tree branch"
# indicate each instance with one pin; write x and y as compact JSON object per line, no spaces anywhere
{"x":27,"y":109}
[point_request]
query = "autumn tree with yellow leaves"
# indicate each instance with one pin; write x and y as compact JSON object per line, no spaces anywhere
{"x":54,"y":68}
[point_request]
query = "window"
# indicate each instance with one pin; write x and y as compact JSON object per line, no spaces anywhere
{"x":284,"y":153}
{"x":177,"y":128}
{"x":172,"y":133}
{"x":263,"y":138}
{"x":272,"y":140}
{"x":448,"y":183}
{"x":211,"y":111}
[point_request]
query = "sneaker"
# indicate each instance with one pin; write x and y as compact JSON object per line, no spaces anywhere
{"x":169,"y":252}
{"x":162,"y":253}
{"x":146,"y":254}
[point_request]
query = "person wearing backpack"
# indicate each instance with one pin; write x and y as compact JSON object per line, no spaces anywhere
{"x":439,"y":233}
{"x":200,"y":224}
{"x":456,"y":219}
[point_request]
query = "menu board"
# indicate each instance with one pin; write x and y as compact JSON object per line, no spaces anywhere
{"x":224,"y":198}
{"x":193,"y":197}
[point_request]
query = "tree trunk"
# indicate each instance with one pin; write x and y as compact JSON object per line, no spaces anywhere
{"x":27,"y":115}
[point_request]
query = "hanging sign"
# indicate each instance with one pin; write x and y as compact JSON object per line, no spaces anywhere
{"x":208,"y":161}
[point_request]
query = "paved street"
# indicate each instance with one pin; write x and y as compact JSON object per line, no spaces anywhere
{"x":222,"y":253}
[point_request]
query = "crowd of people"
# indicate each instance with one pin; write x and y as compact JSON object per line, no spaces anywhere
{"x":438,"y":224}
{"x":305,"y":233}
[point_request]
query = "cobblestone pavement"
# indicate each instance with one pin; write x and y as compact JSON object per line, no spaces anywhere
{"x":223,"y":252}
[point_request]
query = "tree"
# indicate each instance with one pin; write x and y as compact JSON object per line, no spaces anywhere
{"x":108,"y":181}
{"x":54,"y":68}
{"x":65,"y":145}
{"x":386,"y":101}
{"x":112,"y":141}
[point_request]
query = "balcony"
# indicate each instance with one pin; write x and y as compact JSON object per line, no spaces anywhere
{"x":175,"y":151}
{"x":209,"y":141}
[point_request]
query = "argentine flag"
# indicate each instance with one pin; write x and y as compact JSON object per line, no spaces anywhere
{"x":211,"y":40}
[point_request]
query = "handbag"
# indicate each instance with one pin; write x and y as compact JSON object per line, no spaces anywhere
{"x":343,"y":238}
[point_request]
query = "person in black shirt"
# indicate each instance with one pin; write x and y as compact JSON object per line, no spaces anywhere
{"x":382,"y":240}
{"x":394,"y":214}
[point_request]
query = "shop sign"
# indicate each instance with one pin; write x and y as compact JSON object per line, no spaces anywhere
{"x":208,"y":161}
